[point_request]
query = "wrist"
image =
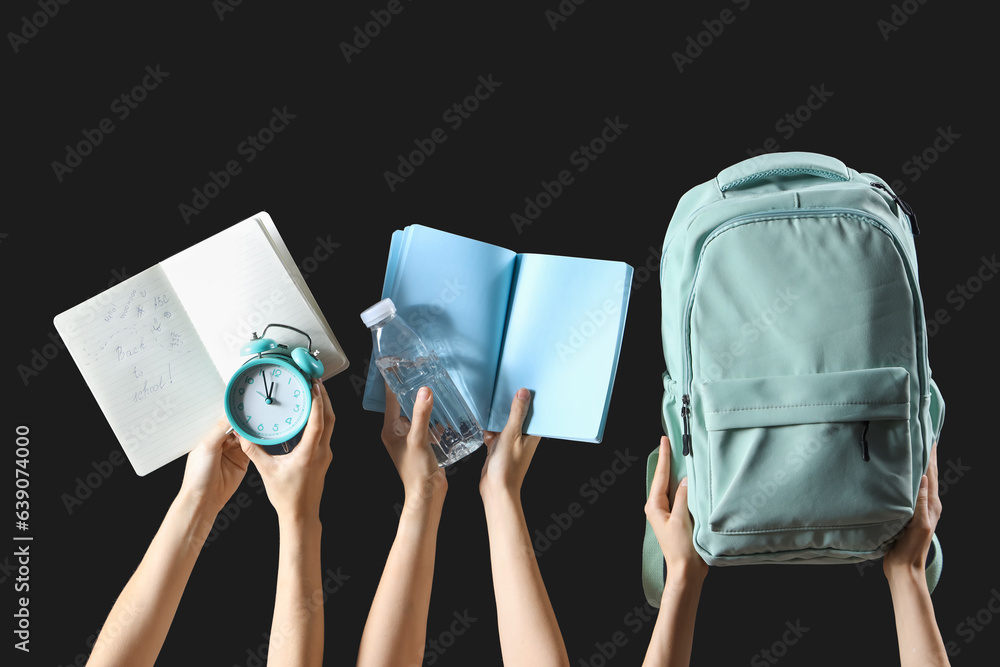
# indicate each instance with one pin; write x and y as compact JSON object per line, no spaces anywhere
{"x":300,"y":540}
{"x":682,"y":589}
{"x":196,"y":514}
{"x":419,"y":520}
{"x":308,"y":521}
{"x":422,"y":507}
{"x":904,"y":574}
{"x":429,"y":495}
{"x":298,"y":517}
{"x":495,"y":494}
{"x":197,"y":500}
{"x":686,"y":576}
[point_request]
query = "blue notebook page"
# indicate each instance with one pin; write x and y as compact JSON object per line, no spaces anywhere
{"x":453,"y":291}
{"x":563,"y":338}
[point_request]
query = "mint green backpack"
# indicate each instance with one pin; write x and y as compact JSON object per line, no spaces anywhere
{"x":798,"y":397}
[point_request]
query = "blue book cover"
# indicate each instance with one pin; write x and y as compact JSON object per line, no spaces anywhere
{"x":500,"y":321}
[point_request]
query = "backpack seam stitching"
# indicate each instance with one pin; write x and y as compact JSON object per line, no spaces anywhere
{"x":778,"y":530}
{"x":798,"y":405}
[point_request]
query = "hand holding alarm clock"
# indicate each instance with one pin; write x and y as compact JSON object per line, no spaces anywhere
{"x":268,"y":399}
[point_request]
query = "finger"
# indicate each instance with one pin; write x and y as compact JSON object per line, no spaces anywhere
{"x":391,"y":406}
{"x":217,"y":435}
{"x":254,"y":452}
{"x":932,"y":473}
{"x":329,"y":418}
{"x":231,"y":443}
{"x":920,"y":508}
{"x":400,"y":427}
{"x":314,"y":427}
{"x":232,"y":450}
{"x":421,"y":416}
{"x":518,"y":411}
{"x":660,"y":485}
{"x":489,"y":437}
{"x":680,"y":509}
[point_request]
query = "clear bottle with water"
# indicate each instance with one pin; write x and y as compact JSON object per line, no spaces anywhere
{"x":407,"y":364}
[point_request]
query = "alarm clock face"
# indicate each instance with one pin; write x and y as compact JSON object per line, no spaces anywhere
{"x":268,"y":400}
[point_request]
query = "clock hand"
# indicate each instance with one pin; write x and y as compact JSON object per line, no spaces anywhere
{"x":267,"y":398}
{"x":271,"y":398}
{"x":262,"y":394}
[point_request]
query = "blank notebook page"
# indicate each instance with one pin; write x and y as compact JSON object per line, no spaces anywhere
{"x":562,"y":339}
{"x":234,"y":284}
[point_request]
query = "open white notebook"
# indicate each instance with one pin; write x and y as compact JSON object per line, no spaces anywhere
{"x":158,"y":349}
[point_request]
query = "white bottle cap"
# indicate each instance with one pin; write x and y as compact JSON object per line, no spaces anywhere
{"x":378,"y":312}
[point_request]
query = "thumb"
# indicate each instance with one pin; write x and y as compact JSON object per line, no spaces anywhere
{"x":518,"y":411}
{"x":920,"y":508}
{"x":216,"y":436}
{"x":254,"y":452}
{"x":421,"y":414}
{"x":680,"y":506}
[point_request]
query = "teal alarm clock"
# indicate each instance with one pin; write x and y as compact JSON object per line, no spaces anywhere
{"x":268,"y":399}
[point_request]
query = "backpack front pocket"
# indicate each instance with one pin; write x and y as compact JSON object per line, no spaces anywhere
{"x":808,"y":452}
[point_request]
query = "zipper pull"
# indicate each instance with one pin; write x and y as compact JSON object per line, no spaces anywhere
{"x":903,"y":206}
{"x":864,"y":442}
{"x":686,"y":416}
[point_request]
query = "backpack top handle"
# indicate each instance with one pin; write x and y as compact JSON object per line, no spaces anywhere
{"x":781,"y":164}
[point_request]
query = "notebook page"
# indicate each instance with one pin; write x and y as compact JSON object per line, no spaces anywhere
{"x":234,"y":284}
{"x":144,"y":363}
{"x":336,"y":361}
{"x":562,"y":342}
{"x":453,"y":291}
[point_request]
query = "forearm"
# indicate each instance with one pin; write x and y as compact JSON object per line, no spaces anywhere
{"x":673,"y":634}
{"x":138,"y":623}
{"x":396,"y":629}
{"x":297,"y":627}
{"x":529,"y":632}
{"x":920,"y":640}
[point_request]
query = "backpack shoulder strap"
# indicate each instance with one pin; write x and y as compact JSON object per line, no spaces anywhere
{"x":653,"y":567}
{"x":935,"y":563}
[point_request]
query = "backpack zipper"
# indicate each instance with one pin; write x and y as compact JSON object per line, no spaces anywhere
{"x":906,"y":208}
{"x":686,"y":375}
{"x":686,"y":416}
{"x":864,"y":442}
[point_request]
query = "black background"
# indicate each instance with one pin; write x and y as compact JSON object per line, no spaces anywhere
{"x":323,"y":178}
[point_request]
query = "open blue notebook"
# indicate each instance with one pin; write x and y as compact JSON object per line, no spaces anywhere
{"x":500,"y":321}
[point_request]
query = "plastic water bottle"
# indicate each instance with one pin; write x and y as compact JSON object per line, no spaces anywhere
{"x":407,"y":364}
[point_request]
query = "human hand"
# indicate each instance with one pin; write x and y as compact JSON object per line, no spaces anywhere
{"x":508,"y":453}
{"x":674,"y":528}
{"x":909,"y":553}
{"x":214,"y":469}
{"x":409,"y":447}
{"x":294,"y":481}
